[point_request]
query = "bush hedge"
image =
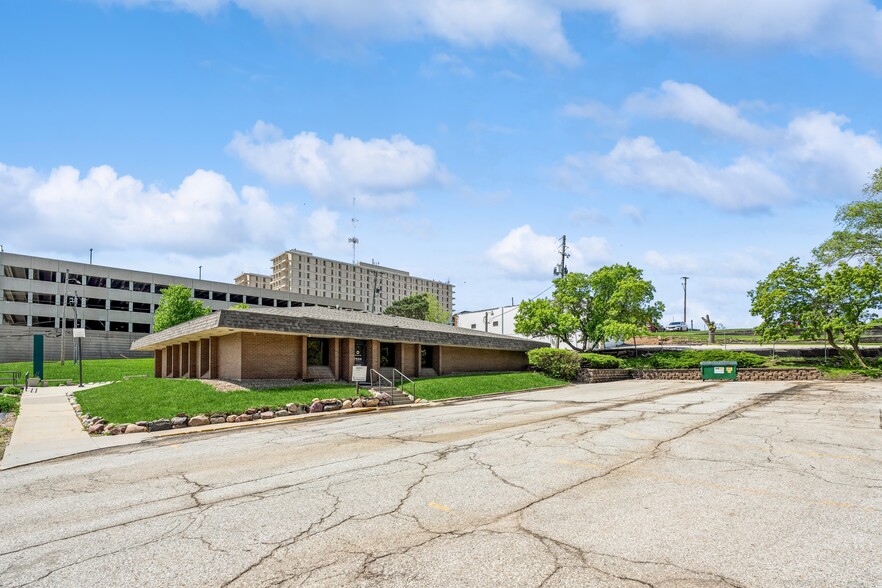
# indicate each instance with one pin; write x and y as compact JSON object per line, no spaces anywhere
{"x":12,"y":390}
{"x":557,"y":363}
{"x":600,"y":361}
{"x":9,"y":404}
{"x":686,"y":359}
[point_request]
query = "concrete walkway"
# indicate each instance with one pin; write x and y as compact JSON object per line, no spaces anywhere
{"x":47,"y":427}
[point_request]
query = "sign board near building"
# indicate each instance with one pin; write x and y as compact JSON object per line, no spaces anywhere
{"x":359,"y":373}
{"x":79,"y":333}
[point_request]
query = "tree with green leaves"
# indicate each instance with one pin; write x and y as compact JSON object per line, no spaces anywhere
{"x":240,"y":306}
{"x":860,"y":235}
{"x":837,"y":305}
{"x":424,"y":307}
{"x":176,"y":306}
{"x":614,"y":302}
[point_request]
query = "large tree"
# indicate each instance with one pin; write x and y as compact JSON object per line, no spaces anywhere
{"x":837,"y":305}
{"x":424,"y":307}
{"x":860,"y":235}
{"x":177,"y":306}
{"x":614,"y":302}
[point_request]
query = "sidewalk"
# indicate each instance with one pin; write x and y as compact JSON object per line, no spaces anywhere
{"x":47,"y":427}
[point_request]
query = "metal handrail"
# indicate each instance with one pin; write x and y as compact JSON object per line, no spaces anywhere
{"x":402,"y":378}
{"x":380,"y":379}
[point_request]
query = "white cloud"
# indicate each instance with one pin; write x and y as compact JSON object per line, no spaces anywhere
{"x":589,"y":216}
{"x":635,"y":213}
{"x":744,"y":185}
{"x":592,"y":110}
{"x":671,"y":262}
{"x":531,"y":24}
{"x":204,"y":215}
{"x":379,"y":172}
{"x":524,"y":254}
{"x":692,"y":104}
{"x":828,"y":157}
{"x":850,"y":26}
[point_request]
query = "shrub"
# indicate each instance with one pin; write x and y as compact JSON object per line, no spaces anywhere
{"x":686,"y":359}
{"x":557,"y":363}
{"x":600,"y":361}
{"x":9,"y":404}
{"x":12,"y":390}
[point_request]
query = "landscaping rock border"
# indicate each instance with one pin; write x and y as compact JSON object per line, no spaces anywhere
{"x":96,"y":425}
{"x":596,"y":376}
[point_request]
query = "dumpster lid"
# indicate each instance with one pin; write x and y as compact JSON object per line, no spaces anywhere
{"x":718,"y":363}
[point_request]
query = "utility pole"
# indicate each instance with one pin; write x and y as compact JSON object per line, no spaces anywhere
{"x":200,"y":272}
{"x":64,"y":312}
{"x":353,"y":239}
{"x":685,"y":279}
{"x":90,"y":256}
{"x":561,"y":270}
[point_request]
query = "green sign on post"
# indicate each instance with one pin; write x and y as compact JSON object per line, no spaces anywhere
{"x":38,"y":356}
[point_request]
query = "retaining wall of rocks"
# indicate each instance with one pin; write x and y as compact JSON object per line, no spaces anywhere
{"x":595,"y":376}
{"x":97,"y":425}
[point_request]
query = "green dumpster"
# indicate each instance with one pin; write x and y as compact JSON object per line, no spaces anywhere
{"x":719,"y":370}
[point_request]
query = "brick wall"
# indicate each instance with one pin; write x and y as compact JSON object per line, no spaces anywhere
{"x":268,"y":356}
{"x":464,"y":360}
{"x":230,"y":357}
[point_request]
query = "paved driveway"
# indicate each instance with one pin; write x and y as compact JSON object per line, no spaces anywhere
{"x":624,"y":484}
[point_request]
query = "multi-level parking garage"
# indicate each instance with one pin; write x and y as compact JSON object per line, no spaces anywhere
{"x":114,"y":305}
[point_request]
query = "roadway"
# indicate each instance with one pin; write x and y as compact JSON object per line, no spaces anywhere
{"x":632,"y":483}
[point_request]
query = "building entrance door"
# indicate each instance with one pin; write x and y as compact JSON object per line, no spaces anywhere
{"x":387,"y":355}
{"x":360,"y":353}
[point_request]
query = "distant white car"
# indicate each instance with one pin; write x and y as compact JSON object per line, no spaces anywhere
{"x":677,"y":326}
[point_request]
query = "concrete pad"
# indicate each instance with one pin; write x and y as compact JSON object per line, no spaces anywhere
{"x":47,"y":427}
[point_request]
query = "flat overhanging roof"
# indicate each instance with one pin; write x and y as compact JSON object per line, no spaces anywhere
{"x":327,"y":322}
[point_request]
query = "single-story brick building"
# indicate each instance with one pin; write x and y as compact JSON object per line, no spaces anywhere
{"x":323,"y":343}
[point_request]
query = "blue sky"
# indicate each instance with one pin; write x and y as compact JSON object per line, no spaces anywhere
{"x":465,"y":137}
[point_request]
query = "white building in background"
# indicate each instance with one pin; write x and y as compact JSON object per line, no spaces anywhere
{"x":501,"y":320}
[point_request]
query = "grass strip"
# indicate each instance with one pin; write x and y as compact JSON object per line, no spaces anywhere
{"x":94,"y":370}
{"x":457,"y":386}
{"x":146,"y":400}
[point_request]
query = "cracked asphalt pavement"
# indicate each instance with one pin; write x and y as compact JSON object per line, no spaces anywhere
{"x":624,"y":484}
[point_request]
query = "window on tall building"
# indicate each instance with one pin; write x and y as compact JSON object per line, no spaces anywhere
{"x":96,"y":282}
{"x":11,"y":271}
{"x":119,"y":284}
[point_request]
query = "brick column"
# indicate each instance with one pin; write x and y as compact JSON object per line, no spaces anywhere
{"x":204,"y":357}
{"x":176,"y":361}
{"x":303,"y":368}
{"x":157,"y":364}
{"x":193,"y":366}
{"x":373,"y":355}
{"x":213,"y":356}
{"x":437,"y":360}
{"x":347,"y":358}
{"x":168,"y":357}
{"x":334,"y":358}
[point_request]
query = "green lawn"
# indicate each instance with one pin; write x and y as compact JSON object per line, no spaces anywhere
{"x":456,"y":386}
{"x":150,"y":399}
{"x":94,"y":370}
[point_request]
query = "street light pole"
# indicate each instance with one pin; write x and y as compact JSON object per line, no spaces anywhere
{"x":200,"y":272}
{"x":685,"y":279}
{"x":64,"y":312}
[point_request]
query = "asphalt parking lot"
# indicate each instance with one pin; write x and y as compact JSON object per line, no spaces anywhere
{"x":623,"y":484}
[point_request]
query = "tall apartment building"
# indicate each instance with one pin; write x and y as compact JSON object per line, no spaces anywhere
{"x":253,"y":280}
{"x":114,"y":305}
{"x":371,"y":285}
